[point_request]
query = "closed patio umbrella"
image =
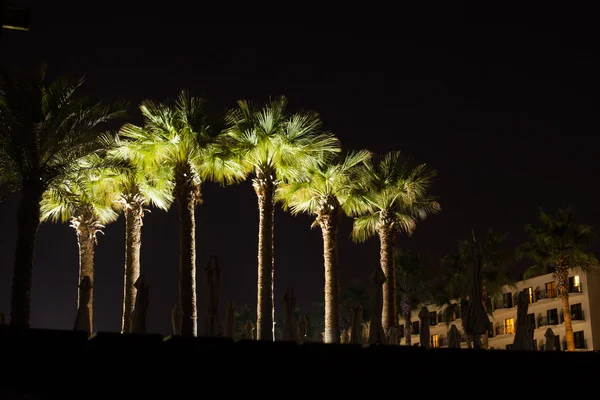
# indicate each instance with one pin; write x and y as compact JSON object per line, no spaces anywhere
{"x":477,"y":320}
{"x":453,"y":338}
{"x":376,"y":333}
{"x":550,"y":339}
{"x":424,"y":328}
{"x":230,"y":319}
{"x":524,"y":334}
{"x":356,"y":336}
{"x":290,"y":332}
{"x":140,"y":311}
{"x":212,"y":273}
{"x":83,"y":318}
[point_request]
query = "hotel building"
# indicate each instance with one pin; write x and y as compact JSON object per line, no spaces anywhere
{"x":545,"y":311}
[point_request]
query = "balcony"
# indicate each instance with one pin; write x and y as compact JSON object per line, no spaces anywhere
{"x":575,"y":289}
{"x":575,"y":316}
{"x":545,"y":321}
{"x":545,"y":294}
{"x":579,"y":345}
{"x":505,"y":330}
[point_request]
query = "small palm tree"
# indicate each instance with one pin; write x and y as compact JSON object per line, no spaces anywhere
{"x":44,"y":130}
{"x":558,"y":244}
{"x":413,"y":278}
{"x":397,"y":198}
{"x":178,"y":136}
{"x":327,"y":191}
{"x":270,"y":144}
{"x":494,"y":272}
{"x":136,"y":188}
{"x":85,"y":199}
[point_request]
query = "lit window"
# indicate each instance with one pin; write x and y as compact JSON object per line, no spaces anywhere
{"x":576,"y":280}
{"x":529,"y":292}
{"x":435,"y":341}
{"x":509,"y":326}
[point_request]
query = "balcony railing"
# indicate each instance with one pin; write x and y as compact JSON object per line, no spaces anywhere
{"x":545,"y":321}
{"x":575,"y":289}
{"x":545,"y":294}
{"x":575,"y":316}
{"x":505,"y":330}
{"x":579,"y":344}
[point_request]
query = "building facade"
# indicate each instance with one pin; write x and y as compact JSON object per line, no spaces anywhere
{"x":545,"y":311}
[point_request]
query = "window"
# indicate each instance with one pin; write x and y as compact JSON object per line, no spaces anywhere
{"x":432,"y":318}
{"x":440,"y":317}
{"x":401,"y":331}
{"x":579,"y":340}
{"x":552,"y":316}
{"x":507,"y":300}
{"x":532,"y":319}
{"x":576,"y":312}
{"x":509,"y":326}
{"x":551,"y":290}
{"x":415,"y":328}
{"x":574,"y":284}
{"x":529,"y":292}
{"x":435,"y":341}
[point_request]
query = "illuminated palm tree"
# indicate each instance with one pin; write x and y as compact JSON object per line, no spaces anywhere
{"x":177,"y":135}
{"x":135,"y":189}
{"x":397,"y":197}
{"x":45,"y":128}
{"x":559,"y":244}
{"x":85,"y":199}
{"x":327,"y":192}
{"x":271,"y":144}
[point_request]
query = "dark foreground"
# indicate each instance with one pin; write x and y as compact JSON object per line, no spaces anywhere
{"x":61,"y":364}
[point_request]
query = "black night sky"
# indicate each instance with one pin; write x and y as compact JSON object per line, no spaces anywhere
{"x":505,"y":113}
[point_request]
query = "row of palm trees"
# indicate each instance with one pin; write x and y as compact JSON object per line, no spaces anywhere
{"x":57,"y":150}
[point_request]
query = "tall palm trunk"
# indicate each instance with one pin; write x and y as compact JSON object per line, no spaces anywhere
{"x":562,"y":284}
{"x":86,"y":226}
{"x":134,"y":213}
{"x":264,"y":187}
{"x":333,"y":317}
{"x":386,"y":255}
{"x":28,"y":217}
{"x":406,"y":313}
{"x":187,"y":195}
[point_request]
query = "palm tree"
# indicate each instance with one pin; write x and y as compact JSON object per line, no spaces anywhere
{"x":271,"y":144}
{"x":413,"y":278}
{"x":494,"y":272}
{"x":85,"y":199}
{"x":558,"y":244}
{"x":327,"y":191}
{"x":178,"y":136}
{"x":135,"y":188}
{"x":44,"y":130}
{"x":397,"y":198}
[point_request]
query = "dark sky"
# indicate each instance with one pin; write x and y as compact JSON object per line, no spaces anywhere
{"x":504,"y":112}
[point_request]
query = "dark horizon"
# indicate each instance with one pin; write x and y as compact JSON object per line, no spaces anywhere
{"x":503,"y":112}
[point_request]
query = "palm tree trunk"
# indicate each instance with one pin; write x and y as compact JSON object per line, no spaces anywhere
{"x":187,"y":195}
{"x":386,"y":255}
{"x":562,"y":283}
{"x":28,"y":217}
{"x":86,"y":227}
{"x":264,"y":188}
{"x":329,"y":229}
{"x":406,"y":313}
{"x":133,"y":244}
